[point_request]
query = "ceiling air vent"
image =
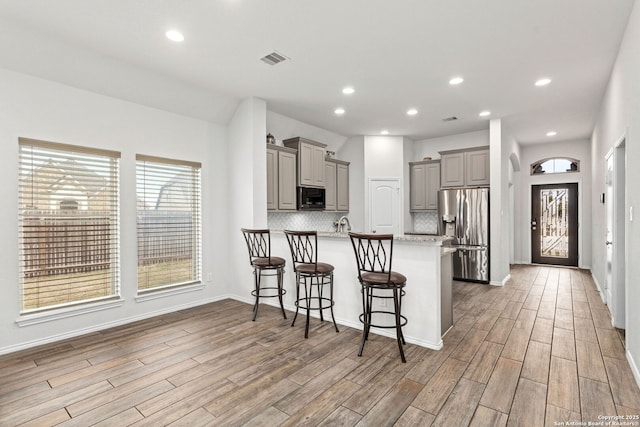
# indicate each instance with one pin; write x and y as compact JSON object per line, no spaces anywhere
{"x":450,"y":119}
{"x":273,"y":58}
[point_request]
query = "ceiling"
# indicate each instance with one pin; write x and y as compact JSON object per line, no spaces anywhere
{"x":396,"y":54}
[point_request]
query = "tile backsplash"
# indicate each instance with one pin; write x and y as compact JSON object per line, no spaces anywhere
{"x":312,"y":220}
{"x":425,"y":222}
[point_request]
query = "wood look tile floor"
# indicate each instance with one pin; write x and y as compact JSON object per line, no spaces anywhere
{"x":537,"y":351}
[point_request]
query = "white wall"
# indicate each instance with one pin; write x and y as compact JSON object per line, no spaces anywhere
{"x":510,"y":149}
{"x":353,"y":151}
{"x":40,"y":109}
{"x":431,"y":147}
{"x":283,"y":127}
{"x":247,"y":198}
{"x":579,"y":150}
{"x":407,"y":145}
{"x":500,"y":146}
{"x":384,"y":158}
{"x":620,"y":116}
{"x":515,"y":197}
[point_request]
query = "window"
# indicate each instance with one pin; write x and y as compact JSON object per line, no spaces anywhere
{"x":168,"y":222}
{"x":557,"y":165}
{"x":68,"y":224}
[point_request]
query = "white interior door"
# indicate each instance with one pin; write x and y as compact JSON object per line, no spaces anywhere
{"x":615,"y":282}
{"x":384,"y":206}
{"x":608,"y":205}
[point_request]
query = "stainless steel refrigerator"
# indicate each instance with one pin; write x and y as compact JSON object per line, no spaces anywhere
{"x":464,"y":214}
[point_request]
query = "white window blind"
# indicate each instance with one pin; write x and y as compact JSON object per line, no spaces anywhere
{"x":68,"y":224}
{"x":168,"y":222}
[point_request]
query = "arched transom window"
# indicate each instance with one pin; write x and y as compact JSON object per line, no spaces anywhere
{"x":555,"y":165}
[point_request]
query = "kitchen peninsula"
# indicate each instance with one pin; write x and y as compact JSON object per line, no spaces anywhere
{"x":422,"y":259}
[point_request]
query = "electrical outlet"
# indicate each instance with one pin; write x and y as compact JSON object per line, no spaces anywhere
{"x":382,"y":302}
{"x":209,"y":277}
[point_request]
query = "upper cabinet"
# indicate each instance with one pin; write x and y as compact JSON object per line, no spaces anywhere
{"x":272,"y":179}
{"x":311,"y":167}
{"x":452,"y":170}
{"x":330,"y":201}
{"x":337,"y":185}
{"x":477,"y":164}
{"x":468,"y":167}
{"x":281,"y":178}
{"x":342,"y":186}
{"x":424,"y":185}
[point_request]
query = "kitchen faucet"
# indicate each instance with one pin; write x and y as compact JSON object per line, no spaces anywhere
{"x":341,"y":223}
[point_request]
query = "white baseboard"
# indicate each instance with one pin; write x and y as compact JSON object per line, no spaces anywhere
{"x":600,"y":289}
{"x":107,"y":325}
{"x":634,"y":367}
{"x":501,"y":283}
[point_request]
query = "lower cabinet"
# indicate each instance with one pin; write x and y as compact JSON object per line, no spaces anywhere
{"x":424,"y":185}
{"x":281,"y":178}
{"x":336,"y":185}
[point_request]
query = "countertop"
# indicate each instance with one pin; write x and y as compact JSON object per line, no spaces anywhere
{"x":425,"y":238}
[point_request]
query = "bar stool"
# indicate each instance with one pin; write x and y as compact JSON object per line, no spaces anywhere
{"x":259,"y":245}
{"x":374,"y":253}
{"x":310,"y":273}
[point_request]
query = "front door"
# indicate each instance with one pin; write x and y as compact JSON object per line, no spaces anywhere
{"x":554,"y":224}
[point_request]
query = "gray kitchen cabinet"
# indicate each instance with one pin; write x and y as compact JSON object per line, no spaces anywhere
{"x":286,"y":181}
{"x":424,"y":185}
{"x":466,"y":167}
{"x":272,"y":179}
{"x":330,"y":201}
{"x":337,"y":185}
{"x":281,"y":178}
{"x":477,"y":167}
{"x":311,"y":167}
{"x":342,"y":186}
{"x":452,"y":170}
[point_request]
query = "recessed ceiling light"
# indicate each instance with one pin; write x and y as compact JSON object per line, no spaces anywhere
{"x":348,"y":90}
{"x":412,"y":112}
{"x":543,"y":82}
{"x":174,"y":35}
{"x":456,"y":81}
{"x":484,"y":113}
{"x":384,"y":132}
{"x":552,"y":133}
{"x":339,"y":111}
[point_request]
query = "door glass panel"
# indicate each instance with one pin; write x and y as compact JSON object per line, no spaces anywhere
{"x":554,"y":232}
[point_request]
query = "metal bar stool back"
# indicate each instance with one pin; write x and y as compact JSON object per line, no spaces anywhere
{"x":374,"y":255}
{"x":264,"y":264}
{"x":311,"y":274}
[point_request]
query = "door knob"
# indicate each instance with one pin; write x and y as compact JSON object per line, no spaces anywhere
{"x":608,"y":243}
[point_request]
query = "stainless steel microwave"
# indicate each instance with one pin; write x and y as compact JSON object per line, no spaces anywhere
{"x":311,"y":199}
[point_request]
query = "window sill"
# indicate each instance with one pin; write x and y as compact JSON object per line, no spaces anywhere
{"x":168,"y":292}
{"x":48,"y":316}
